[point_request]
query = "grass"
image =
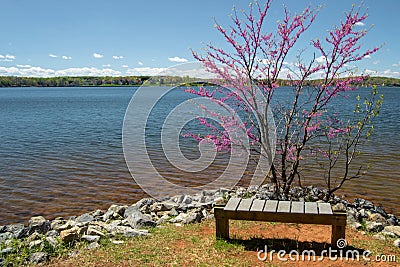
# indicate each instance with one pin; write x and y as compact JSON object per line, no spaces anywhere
{"x":196,"y":245}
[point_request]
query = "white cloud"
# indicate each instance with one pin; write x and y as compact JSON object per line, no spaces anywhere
{"x":177,"y":59}
{"x":52,"y":55}
{"x":385,"y":73}
{"x":106,"y":65}
{"x":117,"y":57}
{"x":66,"y":57}
{"x":125,"y":66}
{"x":7,"y":57}
{"x":360,"y":24}
{"x":42,"y":72}
{"x":86,"y":71}
{"x":395,"y":65}
{"x":95,"y":55}
{"x":24,"y":66}
{"x":140,"y":63}
{"x":367,"y":56}
{"x":191,"y":71}
{"x":321,"y":59}
{"x":376,"y":62}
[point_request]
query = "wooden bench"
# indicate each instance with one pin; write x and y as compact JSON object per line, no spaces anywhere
{"x":279,"y":211}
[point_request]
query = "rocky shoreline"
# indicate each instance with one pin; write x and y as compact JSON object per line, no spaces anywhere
{"x":123,"y":221}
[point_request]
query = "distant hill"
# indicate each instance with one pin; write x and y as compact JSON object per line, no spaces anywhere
{"x":12,"y":81}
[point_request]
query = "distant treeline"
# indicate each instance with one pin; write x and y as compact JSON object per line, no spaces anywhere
{"x":12,"y":81}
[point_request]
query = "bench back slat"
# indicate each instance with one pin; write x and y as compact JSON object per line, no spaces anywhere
{"x":245,"y":204}
{"x":232,"y":204}
{"x":324,"y":208}
{"x":310,"y":208}
{"x":283,"y":206}
{"x":270,"y":206}
{"x":297,"y":207}
{"x":258,"y":205}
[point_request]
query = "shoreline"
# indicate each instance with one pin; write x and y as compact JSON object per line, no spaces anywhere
{"x":134,"y":220}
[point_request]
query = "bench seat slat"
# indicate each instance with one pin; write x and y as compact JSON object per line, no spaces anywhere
{"x":297,"y":207}
{"x":283,"y":206}
{"x":245,"y":204}
{"x":310,"y":208}
{"x":270,"y":206}
{"x":232,"y":203}
{"x":324,"y":208}
{"x":258,"y":205}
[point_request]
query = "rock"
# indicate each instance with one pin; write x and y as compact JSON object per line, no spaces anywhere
{"x":340,"y":207}
{"x":353,"y":215}
{"x":85,"y":218}
{"x":52,"y":241}
{"x":117,"y":242}
{"x":393,"y":229}
{"x":127,"y":231}
{"x":119,"y":209}
{"x":139,"y":220}
{"x":7,"y":250}
{"x":397,"y":242}
{"x":69,"y":235}
{"x":187,"y":218}
{"x":52,"y":233}
{"x":35,"y":243}
{"x":18,"y":230}
{"x":356,"y":225}
{"x":187,"y":199}
{"x":363,"y":213}
{"x":163,"y":219}
{"x":91,"y":238}
{"x":110,"y":215}
{"x":98,"y":213}
{"x":389,"y":234}
{"x":33,"y":237}
{"x":39,"y":224}
{"x":93,"y":245}
{"x":374,"y":226}
{"x":59,"y":225}
{"x":380,"y":210}
{"x":94,"y":230}
{"x":208,"y":192}
{"x":376,"y":217}
{"x":173,"y":212}
{"x":38,"y":257}
{"x":380,"y":236}
{"x":219,"y":201}
{"x":5,"y":236}
{"x":391,"y":221}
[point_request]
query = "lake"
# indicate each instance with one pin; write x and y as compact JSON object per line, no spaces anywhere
{"x":61,"y":152}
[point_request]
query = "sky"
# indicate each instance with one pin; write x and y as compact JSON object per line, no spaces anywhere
{"x":46,"y":38}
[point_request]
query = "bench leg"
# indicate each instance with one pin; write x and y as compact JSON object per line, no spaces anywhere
{"x":338,"y":232}
{"x":221,"y":223}
{"x":338,"y":229}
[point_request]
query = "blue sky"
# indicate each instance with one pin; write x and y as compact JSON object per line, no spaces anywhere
{"x":123,"y":37}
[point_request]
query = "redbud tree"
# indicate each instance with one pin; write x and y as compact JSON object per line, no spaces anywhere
{"x":306,"y":127}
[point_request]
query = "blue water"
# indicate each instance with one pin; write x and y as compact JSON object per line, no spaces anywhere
{"x":61,"y":152}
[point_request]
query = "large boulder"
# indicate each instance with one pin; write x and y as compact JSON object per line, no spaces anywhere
{"x":139,"y":220}
{"x":39,"y":224}
{"x":85,"y":218}
{"x":72,"y":234}
{"x":393,"y":229}
{"x":38,"y":257}
{"x":18,"y":230}
{"x":374,"y":226}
